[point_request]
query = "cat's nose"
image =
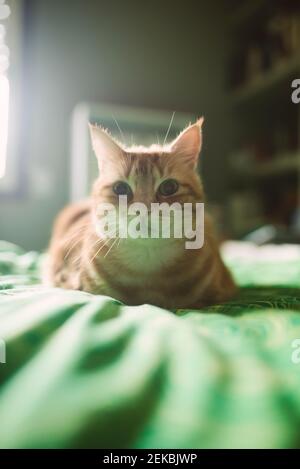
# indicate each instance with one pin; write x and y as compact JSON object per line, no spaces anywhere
{"x":144,"y":200}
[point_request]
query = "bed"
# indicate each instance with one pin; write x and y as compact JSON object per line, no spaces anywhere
{"x":86,"y":371}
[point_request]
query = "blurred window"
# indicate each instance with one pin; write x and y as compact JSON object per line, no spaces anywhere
{"x":11,"y":49}
{"x":4,"y":88}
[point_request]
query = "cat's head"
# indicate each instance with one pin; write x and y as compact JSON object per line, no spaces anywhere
{"x":157,"y":173}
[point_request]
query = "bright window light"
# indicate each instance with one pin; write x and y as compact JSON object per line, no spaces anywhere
{"x":4,"y":104}
{"x":4,"y":88}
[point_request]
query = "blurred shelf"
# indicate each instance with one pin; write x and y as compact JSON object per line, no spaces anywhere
{"x":245,"y":11}
{"x":289,"y":163}
{"x":284,"y":164}
{"x":259,"y":105}
{"x":266,"y":81}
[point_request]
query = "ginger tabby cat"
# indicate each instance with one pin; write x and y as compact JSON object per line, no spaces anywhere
{"x":158,"y":271}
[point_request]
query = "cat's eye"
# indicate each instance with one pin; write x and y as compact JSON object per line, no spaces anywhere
{"x":168,"y":187}
{"x":122,"y":188}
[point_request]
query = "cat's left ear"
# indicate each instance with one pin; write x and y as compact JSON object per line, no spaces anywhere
{"x":187,"y":145}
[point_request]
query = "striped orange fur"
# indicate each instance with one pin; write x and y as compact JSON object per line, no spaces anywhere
{"x":136,"y":271}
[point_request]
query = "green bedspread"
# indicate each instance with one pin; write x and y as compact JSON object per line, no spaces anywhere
{"x":87,"y":371}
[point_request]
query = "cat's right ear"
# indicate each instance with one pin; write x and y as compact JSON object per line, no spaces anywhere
{"x":106,"y":149}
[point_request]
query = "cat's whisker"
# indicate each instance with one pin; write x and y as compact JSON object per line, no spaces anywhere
{"x":119,"y":128}
{"x":169,"y":128}
{"x":71,"y":239}
{"x":111,"y":247}
{"x":73,"y":235}
{"x":92,"y":247}
{"x":74,"y":262}
{"x":100,"y":249}
{"x":71,"y":248}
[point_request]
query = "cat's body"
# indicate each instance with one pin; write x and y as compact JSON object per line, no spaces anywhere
{"x":158,"y":271}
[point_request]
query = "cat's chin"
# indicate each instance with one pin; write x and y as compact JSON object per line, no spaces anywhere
{"x":149,"y":254}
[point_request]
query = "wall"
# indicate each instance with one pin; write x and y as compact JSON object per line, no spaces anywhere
{"x":156,"y":54}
